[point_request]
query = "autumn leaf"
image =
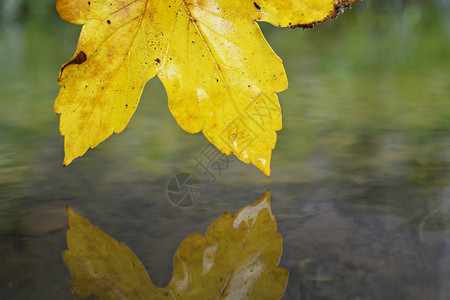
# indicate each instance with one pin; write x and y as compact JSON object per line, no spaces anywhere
{"x":220,"y":74}
{"x":99,"y":265}
{"x":236,"y":259}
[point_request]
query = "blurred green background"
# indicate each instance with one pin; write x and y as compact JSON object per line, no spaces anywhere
{"x":360,"y":173}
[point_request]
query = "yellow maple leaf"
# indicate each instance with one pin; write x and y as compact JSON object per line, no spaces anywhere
{"x":99,"y":265}
{"x":220,"y":74}
{"x":236,"y":259}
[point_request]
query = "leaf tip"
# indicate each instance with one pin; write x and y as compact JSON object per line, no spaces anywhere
{"x":69,"y":210}
{"x":250,"y":213}
{"x":263,"y":164}
{"x":73,"y":218}
{"x":266,"y":195}
{"x":264,"y":198}
{"x":67,"y":161}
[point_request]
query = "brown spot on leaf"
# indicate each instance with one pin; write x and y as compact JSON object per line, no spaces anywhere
{"x":339,"y":7}
{"x":77,"y":60}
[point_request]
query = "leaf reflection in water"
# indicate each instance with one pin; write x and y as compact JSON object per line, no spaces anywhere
{"x":237,"y":258}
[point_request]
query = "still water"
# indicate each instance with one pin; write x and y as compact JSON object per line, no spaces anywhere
{"x":360,"y":174}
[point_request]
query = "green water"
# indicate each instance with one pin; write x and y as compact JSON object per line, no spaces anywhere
{"x":360,"y":174}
